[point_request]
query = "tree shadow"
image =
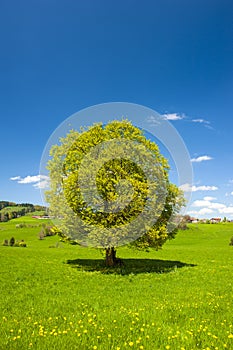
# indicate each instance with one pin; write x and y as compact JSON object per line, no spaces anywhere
{"x":128,"y":266}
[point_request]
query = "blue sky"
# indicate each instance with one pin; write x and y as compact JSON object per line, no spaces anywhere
{"x":176,"y":57}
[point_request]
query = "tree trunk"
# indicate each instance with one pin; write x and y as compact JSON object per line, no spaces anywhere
{"x":110,"y":257}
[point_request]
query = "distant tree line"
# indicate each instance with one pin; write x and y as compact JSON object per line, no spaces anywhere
{"x":4,"y":204}
{"x":11,"y":210}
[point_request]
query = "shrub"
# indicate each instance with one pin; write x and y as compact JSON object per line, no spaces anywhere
{"x":21,"y":225}
{"x":20,"y":244}
{"x":41,"y":235}
{"x":12,"y":241}
{"x":231,"y":241}
{"x":48,"y":230}
{"x":6,"y":243}
{"x":182,"y":223}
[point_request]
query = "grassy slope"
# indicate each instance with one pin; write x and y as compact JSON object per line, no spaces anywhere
{"x":185,"y":302}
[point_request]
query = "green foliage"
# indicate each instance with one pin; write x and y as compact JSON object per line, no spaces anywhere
{"x":231,"y":241}
{"x":21,"y":225}
{"x":5,"y":242}
{"x":183,"y":222}
{"x":48,"y":230}
{"x":64,"y":169}
{"x":21,"y":244}
{"x":12,"y":241}
{"x":4,"y":204}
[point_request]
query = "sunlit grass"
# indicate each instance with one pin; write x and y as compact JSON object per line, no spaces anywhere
{"x":176,"y":298}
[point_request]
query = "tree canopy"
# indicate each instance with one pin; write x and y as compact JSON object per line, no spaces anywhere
{"x":109,"y":186}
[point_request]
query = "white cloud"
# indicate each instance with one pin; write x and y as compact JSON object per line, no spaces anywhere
{"x":204,"y":188}
{"x":192,"y":212}
{"x":202,"y":211}
{"x":38,"y":181}
{"x":205,"y":211}
{"x":227,"y":194}
{"x":226,"y":210}
{"x":200,"y":203}
{"x":173,"y":116}
{"x":206,"y":123}
{"x":208,"y":198}
{"x":186,"y":187}
{"x":42,"y":184}
{"x":202,"y":121}
{"x":189,"y":188}
{"x":32,"y":179}
{"x":208,"y":204}
{"x":200,"y":159}
{"x":217,"y":206}
{"x":208,"y":207}
{"x":15,"y":178}
{"x":151,"y":119}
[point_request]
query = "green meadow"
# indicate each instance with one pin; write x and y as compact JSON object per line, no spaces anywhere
{"x":61,"y":296}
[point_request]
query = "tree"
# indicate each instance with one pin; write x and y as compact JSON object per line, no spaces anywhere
{"x":109,"y":186}
{"x":12,"y":241}
{"x":4,"y":216}
{"x":231,"y":241}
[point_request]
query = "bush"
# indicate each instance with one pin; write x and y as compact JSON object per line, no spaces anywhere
{"x":12,"y":241}
{"x":48,"y":230}
{"x":182,"y":223}
{"x":41,"y":235}
{"x":231,"y":241}
{"x":20,"y":244}
{"x":6,"y":243}
{"x":20,"y":225}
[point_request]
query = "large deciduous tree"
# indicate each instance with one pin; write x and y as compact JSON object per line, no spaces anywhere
{"x":109,"y":186}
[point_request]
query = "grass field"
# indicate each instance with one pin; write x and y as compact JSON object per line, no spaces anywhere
{"x":60,"y":296}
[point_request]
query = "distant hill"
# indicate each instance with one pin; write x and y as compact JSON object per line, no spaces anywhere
{"x":11,"y":210}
